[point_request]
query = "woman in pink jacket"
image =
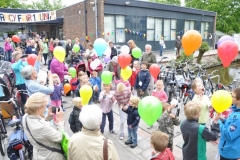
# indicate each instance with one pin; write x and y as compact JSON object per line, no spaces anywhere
{"x":8,"y":50}
{"x":59,"y":68}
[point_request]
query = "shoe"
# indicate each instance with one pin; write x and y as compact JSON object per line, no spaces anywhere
{"x":121,"y":136}
{"x":128,"y":142}
{"x":149,"y":127}
{"x":113,"y":132}
{"x":133,"y":145}
{"x":63,"y":109}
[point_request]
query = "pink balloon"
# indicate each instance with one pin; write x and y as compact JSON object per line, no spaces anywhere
{"x":94,"y":64}
{"x":108,"y":52}
{"x":125,"y":49}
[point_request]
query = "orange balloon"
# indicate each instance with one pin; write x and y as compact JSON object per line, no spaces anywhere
{"x":66,"y":88}
{"x":191,"y":41}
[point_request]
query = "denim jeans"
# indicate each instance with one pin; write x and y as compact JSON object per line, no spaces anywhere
{"x":23,"y":95}
{"x":8,"y":56}
{"x":122,"y":120}
{"x":161,"y":49}
{"x":95,"y":95}
{"x":222,"y":158}
{"x":132,"y":135}
{"x":110,"y":120}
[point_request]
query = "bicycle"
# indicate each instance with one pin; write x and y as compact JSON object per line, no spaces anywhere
{"x":3,"y":135}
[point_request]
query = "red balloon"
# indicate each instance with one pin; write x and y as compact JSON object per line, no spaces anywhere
{"x":124,"y":59}
{"x":16,"y":39}
{"x":154,"y":69}
{"x":227,"y":52}
{"x":31,"y":59}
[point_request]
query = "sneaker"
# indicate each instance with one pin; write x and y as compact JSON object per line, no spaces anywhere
{"x":149,"y":127}
{"x":113,"y":132}
{"x":133,"y":145}
{"x":128,"y":142}
{"x":121,"y":136}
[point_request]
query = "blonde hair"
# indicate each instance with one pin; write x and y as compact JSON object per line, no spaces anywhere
{"x":192,"y":109}
{"x":132,"y":43}
{"x":54,"y":75}
{"x":77,"y":101}
{"x":121,"y":87}
{"x":80,"y":74}
{"x":35,"y":101}
{"x":159,"y":140}
{"x":165,"y":106}
{"x":106,"y":85}
{"x":195,"y":81}
{"x":83,"y":76}
{"x":134,"y":100}
{"x":160,"y":81}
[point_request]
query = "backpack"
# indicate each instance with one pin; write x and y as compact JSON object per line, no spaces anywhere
{"x":71,"y":118}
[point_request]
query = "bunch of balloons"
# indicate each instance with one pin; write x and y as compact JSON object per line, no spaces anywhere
{"x":191,"y":41}
{"x":227,"y":50}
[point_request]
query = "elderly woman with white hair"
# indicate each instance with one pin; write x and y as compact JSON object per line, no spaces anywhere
{"x":29,"y":73}
{"x":90,"y":143}
{"x":114,"y":67}
{"x":42,"y":135}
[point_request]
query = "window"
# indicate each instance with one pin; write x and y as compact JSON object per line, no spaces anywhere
{"x":150,"y":28}
{"x":167,"y":31}
{"x":120,"y":26}
{"x":158,"y":29}
{"x":109,"y":27}
{"x":173,"y":29}
{"x":189,"y":25}
{"x":204,"y":29}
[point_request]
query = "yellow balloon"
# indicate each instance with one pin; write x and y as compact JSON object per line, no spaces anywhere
{"x":59,"y":53}
{"x":126,"y":73}
{"x":221,"y":100}
{"x":86,"y":93}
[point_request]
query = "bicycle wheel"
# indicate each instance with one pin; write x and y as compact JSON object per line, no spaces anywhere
{"x":2,"y":145}
{"x":208,"y":88}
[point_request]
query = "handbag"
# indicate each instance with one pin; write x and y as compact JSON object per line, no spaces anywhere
{"x":164,"y":46}
{"x":105,"y":149}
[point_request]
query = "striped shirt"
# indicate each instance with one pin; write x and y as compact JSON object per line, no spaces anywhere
{"x":123,"y":98}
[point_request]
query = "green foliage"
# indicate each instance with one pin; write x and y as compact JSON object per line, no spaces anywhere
{"x":183,"y":57}
{"x":203,"y":48}
{"x":48,"y":5}
{"x":172,"y":2}
{"x":14,"y":4}
{"x":231,"y":32}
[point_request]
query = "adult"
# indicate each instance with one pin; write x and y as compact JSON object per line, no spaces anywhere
{"x":38,"y":43}
{"x":39,"y":130}
{"x":178,"y":45}
{"x":132,"y":45}
{"x":57,"y":43}
{"x":13,"y":44}
{"x":162,"y":44}
{"x":90,"y":51}
{"x":31,"y":49}
{"x":76,"y":56}
{"x":45,"y":50}
{"x":51,"y":48}
{"x":8,"y":50}
{"x":69,"y":47}
{"x":113,"y":50}
{"x":107,"y":40}
{"x":29,"y":73}
{"x":114,"y":67}
{"x":89,"y":143}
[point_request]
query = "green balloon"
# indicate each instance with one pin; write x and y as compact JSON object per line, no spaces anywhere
{"x":76,"y":48}
{"x":106,"y":77}
{"x":137,"y":52}
{"x":72,"y":72}
{"x":150,"y":109}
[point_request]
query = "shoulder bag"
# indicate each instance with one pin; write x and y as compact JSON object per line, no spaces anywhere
{"x":105,"y":149}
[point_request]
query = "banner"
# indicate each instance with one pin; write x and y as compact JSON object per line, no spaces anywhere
{"x":27,"y":17}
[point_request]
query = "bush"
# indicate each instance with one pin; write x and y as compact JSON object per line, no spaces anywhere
{"x":183,"y":57}
{"x":203,"y":48}
{"x":231,"y":32}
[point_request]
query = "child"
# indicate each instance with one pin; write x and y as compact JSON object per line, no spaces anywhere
{"x":126,"y":83}
{"x":73,"y":120}
{"x":133,"y":120}
{"x":135,"y":71}
{"x":159,"y":92}
{"x":196,"y":135}
{"x":203,"y":100}
{"x":167,"y":121}
{"x":142,"y":81}
{"x":230,"y":131}
{"x":122,"y":96}
{"x":56,"y":96}
{"x":96,"y":83}
{"x":80,"y":74}
{"x":159,"y":142}
{"x":106,"y":99}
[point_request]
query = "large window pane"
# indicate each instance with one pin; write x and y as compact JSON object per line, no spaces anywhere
{"x":120,"y":35}
{"x":150,"y":35}
{"x":191,"y":25}
{"x":150,"y":23}
{"x":158,"y":29}
{"x":120,"y":21}
{"x":109,"y":27}
{"x":167,"y":29}
{"x":173,"y":24}
{"x":173,"y":35}
{"x":187,"y":25}
{"x":202,"y":29}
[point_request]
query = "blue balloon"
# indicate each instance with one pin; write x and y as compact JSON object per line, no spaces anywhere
{"x":100,"y":46}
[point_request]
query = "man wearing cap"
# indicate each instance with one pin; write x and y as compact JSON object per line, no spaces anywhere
{"x":114,"y":67}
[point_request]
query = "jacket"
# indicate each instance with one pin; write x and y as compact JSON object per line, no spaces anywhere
{"x":178,"y":43}
{"x":205,"y":103}
{"x":195,"y":137}
{"x":123,"y":98}
{"x":86,"y":145}
{"x":8,"y":47}
{"x":113,"y":52}
{"x":45,"y":48}
{"x":17,"y":67}
{"x":142,"y":80}
{"x":45,"y":133}
{"x":57,"y":93}
{"x":133,"y":118}
{"x":150,"y":58}
{"x":164,"y":155}
{"x":229,"y":144}
{"x":133,"y":77}
{"x":59,"y":68}
{"x":106,"y":103}
{"x":68,"y":48}
{"x":74,"y":121}
{"x":161,"y":95}
{"x":96,"y":81}
{"x":31,"y":50}
{"x":110,"y":68}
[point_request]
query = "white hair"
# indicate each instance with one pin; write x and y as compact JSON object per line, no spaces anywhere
{"x":27,"y":71}
{"x":148,"y":45}
{"x":91,"y":117}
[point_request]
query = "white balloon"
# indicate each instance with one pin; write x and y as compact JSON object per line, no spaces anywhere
{"x":108,"y":52}
{"x":94,"y":64}
{"x":125,"y":49}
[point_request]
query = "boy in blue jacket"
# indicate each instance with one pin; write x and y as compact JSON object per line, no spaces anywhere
{"x":229,"y":146}
{"x":96,"y":83}
{"x":142,"y":81}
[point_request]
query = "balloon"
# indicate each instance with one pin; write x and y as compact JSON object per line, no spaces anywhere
{"x":225,"y":38}
{"x":100,"y":46}
{"x":191,"y":41}
{"x":31,"y":59}
{"x":108,"y":52}
{"x":227,"y":52}
{"x":124,"y":59}
{"x":72,"y":72}
{"x":16,"y":39}
{"x":66,"y":88}
{"x":137,"y":52}
{"x":154,"y":69}
{"x":106,"y":77}
{"x":76,"y":48}
{"x":125,"y":49}
{"x":85,"y":94}
{"x":107,"y":59}
{"x":94,"y":64}
{"x":221,"y":100}
{"x":150,"y":109}
{"x":59,"y":53}
{"x":126,"y":73}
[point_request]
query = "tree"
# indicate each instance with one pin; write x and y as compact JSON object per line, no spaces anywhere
{"x":203,"y":48}
{"x":172,"y":2}
{"x":14,"y":4}
{"x":47,"y":5}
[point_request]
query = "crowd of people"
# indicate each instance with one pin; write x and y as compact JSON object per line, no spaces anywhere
{"x":44,"y":127}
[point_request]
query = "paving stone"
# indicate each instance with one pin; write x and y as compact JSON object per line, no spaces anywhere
{"x":144,"y":144}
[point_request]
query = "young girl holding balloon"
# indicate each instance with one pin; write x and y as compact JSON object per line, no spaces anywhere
{"x":56,"y":96}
